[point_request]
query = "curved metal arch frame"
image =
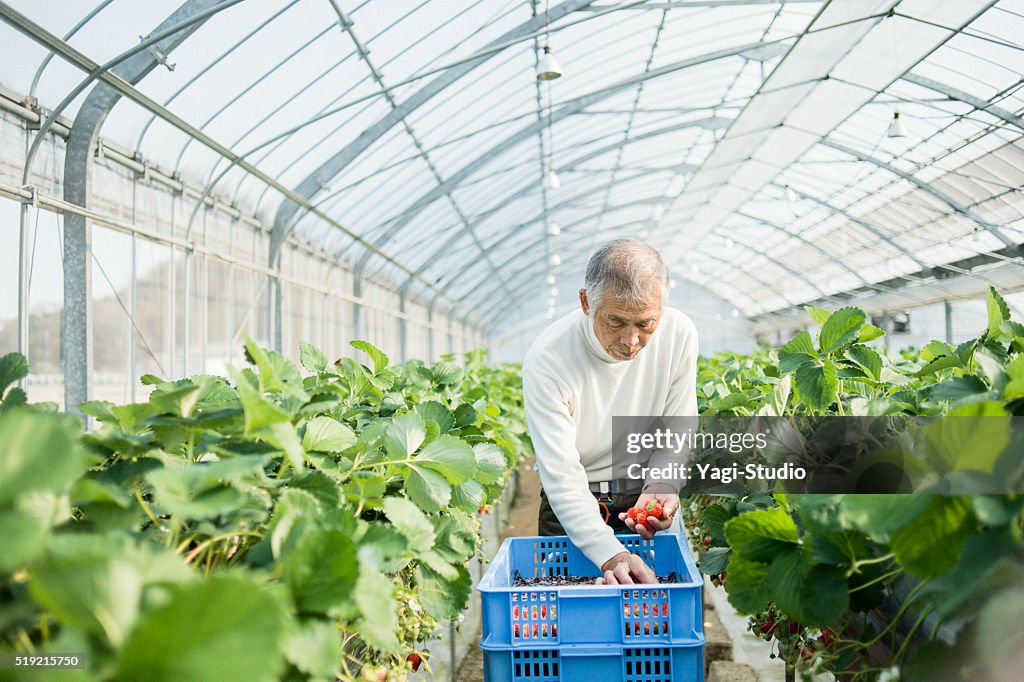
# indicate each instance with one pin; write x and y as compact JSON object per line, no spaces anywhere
{"x":315,"y":181}
{"x":528,"y":188}
{"x":566,"y":110}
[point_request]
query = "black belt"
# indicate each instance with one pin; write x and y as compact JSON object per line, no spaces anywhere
{"x":616,"y":487}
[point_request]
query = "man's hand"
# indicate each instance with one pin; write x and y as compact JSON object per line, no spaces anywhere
{"x":625,"y":569}
{"x":669,"y":504}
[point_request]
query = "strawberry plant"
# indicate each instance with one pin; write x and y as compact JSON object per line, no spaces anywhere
{"x":265,"y":526}
{"x":863,"y":583}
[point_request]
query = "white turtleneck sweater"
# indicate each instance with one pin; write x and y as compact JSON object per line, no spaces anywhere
{"x":572,"y":388}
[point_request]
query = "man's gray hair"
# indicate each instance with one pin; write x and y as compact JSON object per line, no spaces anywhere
{"x":627,"y":269}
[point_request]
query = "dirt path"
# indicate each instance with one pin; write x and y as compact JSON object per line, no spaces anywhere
{"x":522,"y":521}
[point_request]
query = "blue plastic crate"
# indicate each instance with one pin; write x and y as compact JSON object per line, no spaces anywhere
{"x":595,"y":663}
{"x":629,"y":615}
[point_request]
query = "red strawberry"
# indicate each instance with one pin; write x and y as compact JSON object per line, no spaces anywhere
{"x":707,"y":540}
{"x":632,"y":512}
{"x":415,"y":660}
{"x":766,"y":627}
{"x":641,"y":519}
{"x":654,"y":509}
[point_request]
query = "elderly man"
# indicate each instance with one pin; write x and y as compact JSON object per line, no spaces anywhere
{"x":624,"y":353}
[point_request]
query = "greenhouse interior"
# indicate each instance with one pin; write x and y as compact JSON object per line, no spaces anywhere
{"x":289,"y":351}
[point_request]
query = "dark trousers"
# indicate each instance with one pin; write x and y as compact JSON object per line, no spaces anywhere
{"x":548,"y":524}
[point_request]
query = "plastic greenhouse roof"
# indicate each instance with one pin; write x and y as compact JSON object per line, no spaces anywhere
{"x":747,"y":139}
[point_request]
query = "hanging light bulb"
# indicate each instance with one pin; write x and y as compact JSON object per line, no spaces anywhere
{"x":790,"y":195}
{"x":553,"y":291}
{"x":551,"y":303}
{"x":694,"y":268}
{"x":548,"y":69}
{"x":735,"y":312}
{"x":552,"y":179}
{"x":555,"y":259}
{"x":551,"y":279}
{"x":549,"y":314}
{"x":896,"y":127}
{"x":553,"y":229}
{"x":729,"y":243}
{"x":671,"y":284}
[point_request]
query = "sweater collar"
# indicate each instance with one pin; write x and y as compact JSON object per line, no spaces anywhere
{"x":594,"y":344}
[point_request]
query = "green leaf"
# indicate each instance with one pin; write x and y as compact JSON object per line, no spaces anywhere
{"x":773,"y":524}
{"x":427,"y":488}
{"x":435,"y":411}
{"x":816,"y":384}
{"x":958,"y":388}
{"x":715,"y":560}
{"x":992,"y":365}
{"x":879,"y":516}
{"x":816,"y":596}
{"x":799,"y":351}
{"x":936,"y":349}
{"x":840,"y":329}
{"x":456,"y":537}
{"x":203,"y":491}
{"x":819,"y":315}
{"x":294,"y":513}
{"x":314,"y":647}
{"x":443,"y":599}
{"x":868,"y":359}
{"x":411,"y":522}
{"x":377,"y":356}
{"x":1015,"y":374}
{"x":404,"y":435}
{"x":13,"y":367}
{"x":1012,"y":329}
{"x":23,"y":536}
{"x":312,"y":358}
{"x":376,"y":601}
{"x":87,"y":590}
{"x":226,"y":627}
{"x":715,"y":517}
{"x":284,"y":438}
{"x":971,"y":437}
{"x":446,"y":373}
{"x":37,"y":452}
{"x":259,"y":410}
{"x":869,"y":332}
{"x":468,"y":496}
{"x":150,"y":380}
{"x":465,"y":415}
{"x":998,"y":312}
{"x":276,"y":372}
{"x":325,"y":434}
{"x":491,"y":463}
{"x":451,"y":457}
{"x":938,"y":364}
{"x":929,"y":545}
{"x":746,"y":586}
{"x":321,"y":571}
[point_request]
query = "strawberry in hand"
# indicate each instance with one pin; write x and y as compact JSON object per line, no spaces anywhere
{"x":663,"y":507}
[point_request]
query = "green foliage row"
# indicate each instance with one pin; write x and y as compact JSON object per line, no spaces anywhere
{"x":274,"y":526}
{"x":817,"y":573}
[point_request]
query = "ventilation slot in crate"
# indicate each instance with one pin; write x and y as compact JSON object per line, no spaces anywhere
{"x":648,"y":665}
{"x":535,"y":665}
